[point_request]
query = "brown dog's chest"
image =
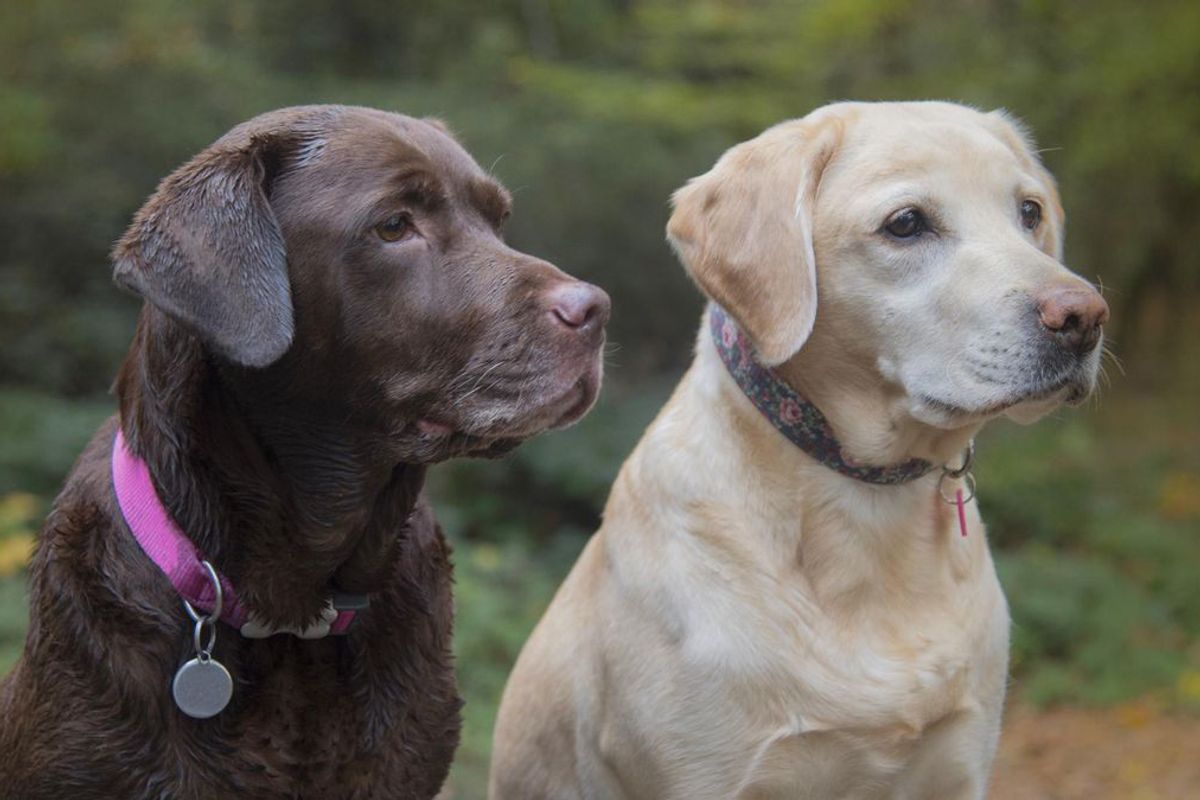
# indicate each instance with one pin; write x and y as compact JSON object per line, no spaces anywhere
{"x":328,"y":720}
{"x":372,"y":714}
{"x":88,"y":711}
{"x":316,"y":728}
{"x":298,"y":721}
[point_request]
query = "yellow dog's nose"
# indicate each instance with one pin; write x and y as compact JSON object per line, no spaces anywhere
{"x":1074,"y":316}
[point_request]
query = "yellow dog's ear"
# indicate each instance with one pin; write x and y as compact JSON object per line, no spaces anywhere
{"x":743,"y":231}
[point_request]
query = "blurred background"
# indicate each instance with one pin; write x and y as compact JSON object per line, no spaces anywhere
{"x":592,"y":112}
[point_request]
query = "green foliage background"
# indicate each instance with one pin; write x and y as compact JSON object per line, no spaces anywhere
{"x":593,"y":111}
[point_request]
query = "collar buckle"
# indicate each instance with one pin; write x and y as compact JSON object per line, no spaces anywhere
{"x":960,"y":497}
{"x":961,"y":472}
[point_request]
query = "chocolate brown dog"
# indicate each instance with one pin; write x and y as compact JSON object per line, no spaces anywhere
{"x":329,"y":308}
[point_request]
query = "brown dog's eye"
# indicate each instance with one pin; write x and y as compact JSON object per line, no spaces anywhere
{"x":395,"y":228}
{"x":907,"y":223}
{"x":1031,"y":214}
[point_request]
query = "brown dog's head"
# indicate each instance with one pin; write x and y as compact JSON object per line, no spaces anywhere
{"x":351,"y":261}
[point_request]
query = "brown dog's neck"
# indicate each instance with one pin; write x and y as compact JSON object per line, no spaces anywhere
{"x":284,"y":502}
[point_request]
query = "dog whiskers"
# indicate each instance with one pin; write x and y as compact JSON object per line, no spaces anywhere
{"x":482,"y":375}
{"x":1109,"y":355}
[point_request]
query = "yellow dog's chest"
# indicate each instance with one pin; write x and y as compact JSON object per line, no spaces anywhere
{"x":865,"y":765}
{"x":821,"y":703}
{"x":856,"y":716}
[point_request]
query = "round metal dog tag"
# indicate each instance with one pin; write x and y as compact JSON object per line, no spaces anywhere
{"x":202,"y":688}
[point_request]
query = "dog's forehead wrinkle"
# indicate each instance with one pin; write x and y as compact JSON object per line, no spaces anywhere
{"x":912,"y":146}
{"x":456,"y":164}
{"x":343,"y":178}
{"x":489,"y":198}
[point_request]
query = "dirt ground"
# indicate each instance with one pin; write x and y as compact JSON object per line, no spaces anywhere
{"x":1127,"y":753}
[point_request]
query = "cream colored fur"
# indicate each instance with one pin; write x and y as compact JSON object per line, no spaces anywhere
{"x":748,"y":623}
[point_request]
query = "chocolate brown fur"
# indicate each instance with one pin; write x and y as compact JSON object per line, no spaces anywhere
{"x":291,"y":376}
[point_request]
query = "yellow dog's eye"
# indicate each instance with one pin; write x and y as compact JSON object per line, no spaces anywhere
{"x":907,"y":223}
{"x":1031,"y":214}
{"x":395,"y":228}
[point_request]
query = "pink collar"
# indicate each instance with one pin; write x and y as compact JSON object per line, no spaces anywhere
{"x":176,"y":555}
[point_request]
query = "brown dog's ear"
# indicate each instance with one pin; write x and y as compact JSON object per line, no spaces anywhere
{"x":207,"y":250}
{"x":743,"y":230}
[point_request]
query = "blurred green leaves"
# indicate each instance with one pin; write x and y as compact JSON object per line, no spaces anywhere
{"x":42,"y":436}
{"x":26,"y":137}
{"x":1097,"y":550}
{"x":593,"y":112}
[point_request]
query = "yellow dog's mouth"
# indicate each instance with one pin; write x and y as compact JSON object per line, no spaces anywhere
{"x":1072,"y":387}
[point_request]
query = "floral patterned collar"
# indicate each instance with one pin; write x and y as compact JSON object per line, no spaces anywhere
{"x":794,"y":416}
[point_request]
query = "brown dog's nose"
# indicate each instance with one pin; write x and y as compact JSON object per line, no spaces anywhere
{"x":580,"y":306}
{"x":1073,"y":316}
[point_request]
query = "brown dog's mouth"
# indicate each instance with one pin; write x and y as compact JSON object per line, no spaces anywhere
{"x":579,"y":399}
{"x":560,"y":410}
